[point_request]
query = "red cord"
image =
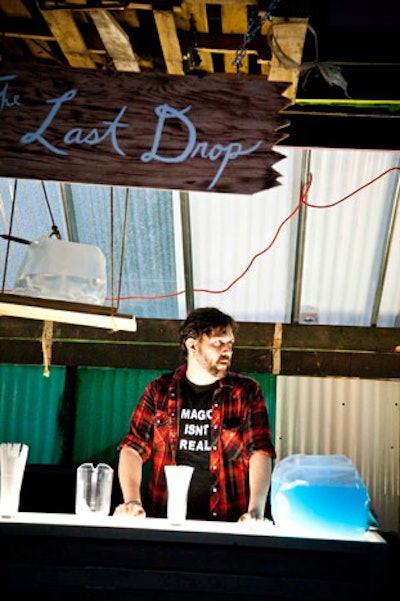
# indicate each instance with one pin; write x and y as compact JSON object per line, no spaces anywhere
{"x":302,"y":201}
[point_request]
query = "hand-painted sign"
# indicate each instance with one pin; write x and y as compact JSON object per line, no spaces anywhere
{"x":140,"y":130}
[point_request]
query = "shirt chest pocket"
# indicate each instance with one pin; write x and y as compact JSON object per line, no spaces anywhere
{"x":232,"y":439}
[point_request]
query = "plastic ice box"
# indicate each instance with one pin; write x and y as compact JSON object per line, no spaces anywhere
{"x":319,"y":495}
{"x":63,"y":270}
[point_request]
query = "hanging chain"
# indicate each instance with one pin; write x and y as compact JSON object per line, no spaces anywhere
{"x":253,"y":27}
{"x":54,"y":229}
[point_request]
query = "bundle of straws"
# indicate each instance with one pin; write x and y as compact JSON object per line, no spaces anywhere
{"x":13,"y":457}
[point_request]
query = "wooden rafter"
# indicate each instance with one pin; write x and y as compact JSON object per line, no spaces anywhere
{"x":169,"y":41}
{"x":115,"y":41}
{"x":309,"y":350}
{"x":290,"y":35}
{"x":69,"y":38}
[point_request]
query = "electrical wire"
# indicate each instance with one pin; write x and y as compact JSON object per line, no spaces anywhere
{"x":303,"y":201}
{"x":334,"y":204}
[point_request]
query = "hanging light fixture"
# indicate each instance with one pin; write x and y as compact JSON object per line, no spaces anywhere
{"x":81,"y":314}
{"x":50,"y":307}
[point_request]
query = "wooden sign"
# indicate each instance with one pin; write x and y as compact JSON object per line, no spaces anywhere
{"x":139,"y":129}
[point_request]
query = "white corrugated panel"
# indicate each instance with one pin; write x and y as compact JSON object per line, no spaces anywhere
{"x":354,"y":417}
{"x":344,"y":243}
{"x":242,"y":250}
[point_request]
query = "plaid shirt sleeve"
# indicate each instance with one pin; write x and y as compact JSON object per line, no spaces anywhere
{"x":140,"y":433}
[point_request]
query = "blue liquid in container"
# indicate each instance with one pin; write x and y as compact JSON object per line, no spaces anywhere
{"x":319,"y":495}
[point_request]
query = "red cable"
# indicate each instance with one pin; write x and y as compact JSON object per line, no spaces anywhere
{"x":303,"y":197}
{"x":302,"y":200}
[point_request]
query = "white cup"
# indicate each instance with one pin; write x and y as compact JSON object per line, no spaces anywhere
{"x":178,"y":481}
{"x":10,"y":493}
{"x":12,"y":465}
{"x":93,"y":489}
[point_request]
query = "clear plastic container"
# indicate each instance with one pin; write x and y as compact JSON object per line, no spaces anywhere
{"x":63,"y":270}
{"x":319,"y":495}
{"x":93,"y":489}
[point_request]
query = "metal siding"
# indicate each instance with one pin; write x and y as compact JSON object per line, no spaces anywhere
{"x":243,"y":247}
{"x":229,"y":236}
{"x":29,"y":410}
{"x":343,"y":246}
{"x":357,"y":418}
{"x":149,"y":263}
{"x":105,"y":400}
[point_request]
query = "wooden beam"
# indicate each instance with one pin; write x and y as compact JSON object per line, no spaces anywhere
{"x":166,"y":27}
{"x":287,"y":40}
{"x":115,"y":41}
{"x":198,"y":11}
{"x":282,"y":349}
{"x":64,"y":29}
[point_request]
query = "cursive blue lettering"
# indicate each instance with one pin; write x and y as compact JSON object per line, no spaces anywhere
{"x":231,"y":152}
{"x":226,"y":153}
{"x":163,"y":112}
{"x":76,"y":135}
{"x":5,"y":100}
{"x":37,"y":135}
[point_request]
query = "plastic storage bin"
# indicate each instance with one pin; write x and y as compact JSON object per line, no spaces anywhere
{"x":319,"y":496}
{"x":63,"y":270}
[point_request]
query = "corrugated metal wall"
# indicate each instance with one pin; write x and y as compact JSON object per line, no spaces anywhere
{"x":30,"y":406}
{"x":354,"y":417}
{"x":105,"y":400}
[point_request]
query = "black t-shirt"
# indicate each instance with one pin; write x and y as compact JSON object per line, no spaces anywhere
{"x":194,"y":445}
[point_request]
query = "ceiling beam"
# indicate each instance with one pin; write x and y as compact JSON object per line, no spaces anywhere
{"x":66,"y":32}
{"x":115,"y":41}
{"x":166,"y":27}
{"x":280,"y":349}
{"x":287,"y":41}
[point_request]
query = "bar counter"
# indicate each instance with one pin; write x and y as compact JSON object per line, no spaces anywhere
{"x":63,"y":556}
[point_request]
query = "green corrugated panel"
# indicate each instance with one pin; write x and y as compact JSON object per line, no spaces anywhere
{"x":29,"y":410}
{"x":105,"y":400}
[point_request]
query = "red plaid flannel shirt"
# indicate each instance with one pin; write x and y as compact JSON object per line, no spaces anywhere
{"x":239,"y":426}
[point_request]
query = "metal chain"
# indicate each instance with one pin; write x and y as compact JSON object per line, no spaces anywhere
{"x":254,"y":26}
{"x":54,"y":229}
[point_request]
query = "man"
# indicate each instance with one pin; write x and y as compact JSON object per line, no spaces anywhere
{"x":205,"y":416}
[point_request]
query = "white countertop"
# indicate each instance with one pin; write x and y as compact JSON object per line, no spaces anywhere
{"x":259,"y":528}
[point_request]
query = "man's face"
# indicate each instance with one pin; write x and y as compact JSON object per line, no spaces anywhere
{"x":214,"y":353}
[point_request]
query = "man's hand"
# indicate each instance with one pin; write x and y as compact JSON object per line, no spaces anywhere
{"x":254,"y":515}
{"x":133,"y":508}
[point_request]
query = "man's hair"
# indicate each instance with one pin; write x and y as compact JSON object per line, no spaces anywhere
{"x":204,"y":321}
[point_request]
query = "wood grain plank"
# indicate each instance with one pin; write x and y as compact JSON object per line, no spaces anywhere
{"x":69,"y":38}
{"x":100,"y":127}
{"x":199,"y":13}
{"x":169,"y":41}
{"x":290,"y":35}
{"x":115,"y":41}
